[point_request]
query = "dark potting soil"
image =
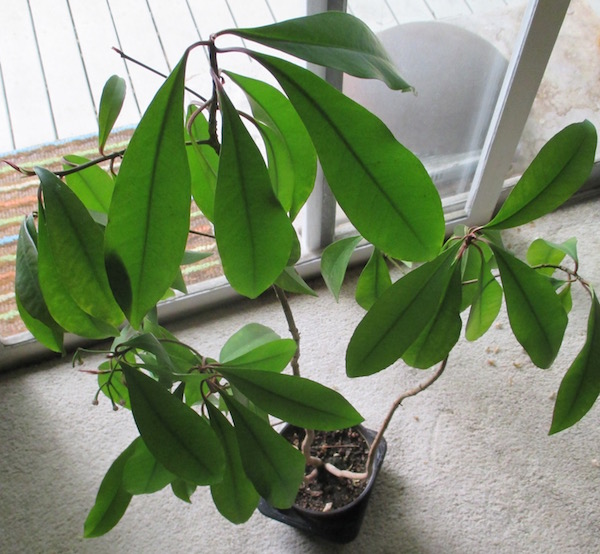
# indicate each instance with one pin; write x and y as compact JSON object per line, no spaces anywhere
{"x":345,"y":449}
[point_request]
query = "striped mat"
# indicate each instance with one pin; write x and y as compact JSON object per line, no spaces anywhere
{"x":18,"y":197}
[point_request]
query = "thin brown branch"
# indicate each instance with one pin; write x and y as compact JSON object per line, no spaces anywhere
{"x":289,"y":316}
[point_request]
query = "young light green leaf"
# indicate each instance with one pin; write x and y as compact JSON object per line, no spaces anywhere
{"x":253,"y":232}
{"x":111,"y":102}
{"x":273,"y":356}
{"x":373,"y":281}
{"x":333,"y":39}
{"x":75,"y":242}
{"x":399,"y":316}
{"x":558,"y":171}
{"x":439,"y":337}
{"x":179,"y":438}
{"x":142,"y":473}
{"x":291,"y":281}
{"x":274,"y":466}
{"x":235,"y":497}
{"x":148,"y":220}
{"x":486,"y":303}
{"x":361,"y":160}
{"x":542,"y":253}
{"x":247,"y":339}
{"x":93,"y":186}
{"x":112,"y":499}
{"x":291,"y":154}
{"x":297,"y":400}
{"x":580,"y":386}
{"x":535,"y":312}
{"x":334,"y":262}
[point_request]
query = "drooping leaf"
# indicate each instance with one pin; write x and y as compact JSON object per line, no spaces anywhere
{"x":297,"y":400}
{"x":373,"y":281}
{"x":235,"y":497}
{"x":111,"y":102}
{"x":486,"y":304}
{"x":75,"y":242}
{"x":558,"y":171}
{"x":179,"y":438}
{"x":50,"y":336}
{"x":382,"y":187}
{"x":253,"y":232}
{"x":399,"y":316}
{"x":149,"y":216}
{"x":333,"y":39}
{"x":291,"y":154}
{"x":247,"y":339}
{"x":112,"y":499}
{"x":142,"y":473}
{"x":535,"y":312}
{"x":334,"y":262}
{"x":439,"y":337}
{"x":93,"y":186}
{"x":291,"y":281}
{"x":204,"y":167}
{"x":274,"y":466}
{"x":273,"y":356}
{"x":580,"y":386}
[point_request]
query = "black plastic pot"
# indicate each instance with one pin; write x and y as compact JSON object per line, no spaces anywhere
{"x":341,"y":525}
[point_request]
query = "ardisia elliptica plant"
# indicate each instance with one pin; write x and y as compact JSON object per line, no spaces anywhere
{"x":106,"y":246}
{"x":418,"y":318}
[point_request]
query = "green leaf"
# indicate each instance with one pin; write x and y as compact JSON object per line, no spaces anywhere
{"x":399,"y":316}
{"x":253,"y":232}
{"x":334,"y":263}
{"x":111,"y":102}
{"x":535,"y":312}
{"x":439,"y":337}
{"x":50,"y":336}
{"x":93,"y":186}
{"x":146,"y":342}
{"x":75,"y":242}
{"x":566,"y":298}
{"x":142,"y":473}
{"x":274,"y":466}
{"x":247,"y":339}
{"x":333,"y":39}
{"x":382,"y":187}
{"x":149,"y":216}
{"x":193,"y":257}
{"x":113,"y":386}
{"x":204,"y":166}
{"x":112,"y":499}
{"x":580,"y":386}
{"x":297,"y":400}
{"x":235,"y":497}
{"x":183,"y":490}
{"x":486,"y":304}
{"x":176,"y":435}
{"x":291,"y":281}
{"x":542,"y":252}
{"x":558,"y":171}
{"x":373,"y":281}
{"x":471,"y":262}
{"x":273,"y":356}
{"x":291,"y":154}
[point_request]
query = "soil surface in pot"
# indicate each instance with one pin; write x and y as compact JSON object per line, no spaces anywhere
{"x":345,"y":449}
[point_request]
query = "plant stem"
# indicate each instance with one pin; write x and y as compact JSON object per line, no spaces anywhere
{"x":289,"y":316}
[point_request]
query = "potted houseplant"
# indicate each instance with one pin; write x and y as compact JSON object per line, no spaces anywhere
{"x":106,"y":245}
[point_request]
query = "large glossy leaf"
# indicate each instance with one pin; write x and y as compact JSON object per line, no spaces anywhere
{"x":580,"y":386}
{"x":439,"y":337}
{"x":559,"y":170}
{"x":274,"y":466}
{"x":75,"y":242}
{"x":382,"y":187}
{"x":535,"y":312}
{"x":334,"y":263}
{"x":111,"y":102}
{"x":332,"y":39}
{"x":248,"y":338}
{"x":148,"y":221}
{"x":142,"y":473}
{"x":291,"y":154}
{"x":253,"y":232}
{"x":179,"y":438}
{"x":93,"y":186}
{"x":374,"y":280}
{"x":399,"y":316}
{"x":112,"y":499}
{"x":235,"y":497}
{"x":297,"y":400}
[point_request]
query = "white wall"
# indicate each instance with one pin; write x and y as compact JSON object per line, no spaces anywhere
{"x":470,"y":467}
